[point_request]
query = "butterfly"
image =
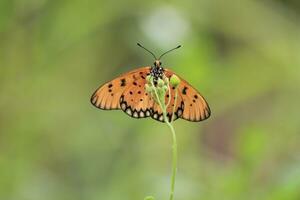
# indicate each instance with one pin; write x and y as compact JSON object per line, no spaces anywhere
{"x":127,"y":92}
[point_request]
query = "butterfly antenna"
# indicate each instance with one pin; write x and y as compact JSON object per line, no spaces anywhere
{"x":168,"y":51}
{"x":147,"y":50}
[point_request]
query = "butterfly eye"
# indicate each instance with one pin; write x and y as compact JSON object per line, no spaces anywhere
{"x":159,"y":63}
{"x":154,"y":63}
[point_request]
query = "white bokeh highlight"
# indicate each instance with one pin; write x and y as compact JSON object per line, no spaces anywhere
{"x":165,"y":27}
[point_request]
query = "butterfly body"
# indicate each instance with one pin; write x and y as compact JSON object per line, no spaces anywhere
{"x":157,"y":71}
{"x":128,"y":93}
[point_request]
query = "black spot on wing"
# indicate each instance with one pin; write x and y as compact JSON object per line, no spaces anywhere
{"x":184,"y":90}
{"x":123,"y":82}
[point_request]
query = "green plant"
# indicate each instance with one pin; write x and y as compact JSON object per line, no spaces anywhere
{"x":158,"y":93}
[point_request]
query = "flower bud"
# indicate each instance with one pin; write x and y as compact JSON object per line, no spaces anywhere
{"x":166,"y":80}
{"x":165,"y":88}
{"x":149,"y":79}
{"x":149,"y":198}
{"x":174,"y":81}
{"x":160,"y":83}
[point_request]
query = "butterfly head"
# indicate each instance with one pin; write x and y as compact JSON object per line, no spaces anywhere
{"x":157,"y":63}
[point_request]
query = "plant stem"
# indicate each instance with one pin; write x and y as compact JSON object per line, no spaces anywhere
{"x":174,"y":157}
{"x":174,"y":140}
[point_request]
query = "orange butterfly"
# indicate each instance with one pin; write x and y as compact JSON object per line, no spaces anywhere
{"x":127,"y":92}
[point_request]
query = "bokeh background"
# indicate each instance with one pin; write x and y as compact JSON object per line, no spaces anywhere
{"x":242,"y":55}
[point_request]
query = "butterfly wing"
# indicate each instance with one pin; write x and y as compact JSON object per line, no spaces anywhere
{"x":107,"y":96}
{"x":135,"y":101}
{"x":191,"y":105}
{"x":126,"y":92}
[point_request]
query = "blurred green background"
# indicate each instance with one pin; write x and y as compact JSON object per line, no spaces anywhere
{"x":243,"y":56}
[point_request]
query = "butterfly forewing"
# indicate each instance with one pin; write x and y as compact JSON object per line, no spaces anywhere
{"x":108,"y":96}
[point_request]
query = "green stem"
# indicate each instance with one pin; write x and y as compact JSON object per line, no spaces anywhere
{"x":174,"y":140}
{"x":174,"y":163}
{"x":175,"y":103}
{"x":169,"y":101}
{"x":174,"y":148}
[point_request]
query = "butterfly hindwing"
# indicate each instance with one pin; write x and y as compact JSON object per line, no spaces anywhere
{"x":195,"y":108}
{"x":135,"y":101}
{"x":170,"y":98}
{"x":108,"y":96}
